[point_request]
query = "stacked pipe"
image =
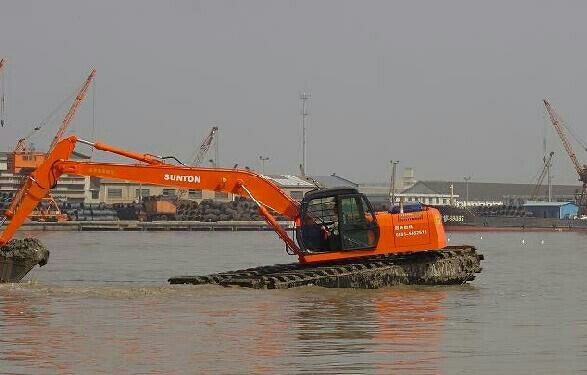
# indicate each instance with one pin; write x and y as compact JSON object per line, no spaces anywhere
{"x":89,"y":211}
{"x":209,"y":210}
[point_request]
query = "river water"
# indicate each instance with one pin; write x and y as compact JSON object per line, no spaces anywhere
{"x":102,"y":305}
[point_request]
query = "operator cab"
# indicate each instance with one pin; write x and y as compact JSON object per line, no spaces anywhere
{"x":340,"y":219}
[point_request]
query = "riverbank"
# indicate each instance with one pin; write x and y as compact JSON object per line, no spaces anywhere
{"x":134,"y":225}
{"x":232,"y":226}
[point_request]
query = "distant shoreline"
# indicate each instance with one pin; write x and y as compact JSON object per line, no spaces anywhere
{"x":234,"y":226}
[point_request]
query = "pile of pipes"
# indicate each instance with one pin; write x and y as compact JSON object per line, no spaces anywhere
{"x":129,"y":211}
{"x":501,"y":210}
{"x":89,"y":211}
{"x":240,"y":209}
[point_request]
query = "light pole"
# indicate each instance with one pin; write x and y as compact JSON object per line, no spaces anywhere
{"x":304,"y":97}
{"x":394,"y":164}
{"x":467,"y":179}
{"x":263,"y":160}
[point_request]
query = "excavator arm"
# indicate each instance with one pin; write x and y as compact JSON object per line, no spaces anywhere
{"x":152,"y":170}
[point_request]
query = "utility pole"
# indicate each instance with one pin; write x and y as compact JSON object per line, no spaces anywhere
{"x":467,"y":179}
{"x":452,"y":194}
{"x":394,"y":164}
{"x":263,"y":160}
{"x":304,"y":97}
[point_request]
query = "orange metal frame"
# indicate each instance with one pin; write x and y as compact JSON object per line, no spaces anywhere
{"x":404,"y":232}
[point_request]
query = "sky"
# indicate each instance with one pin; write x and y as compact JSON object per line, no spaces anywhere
{"x":449,"y":88}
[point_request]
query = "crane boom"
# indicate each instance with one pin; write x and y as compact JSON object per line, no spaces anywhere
{"x":204,"y":147}
{"x":581,"y":169}
{"x":557,"y":124}
{"x":547,"y":164}
{"x":73,"y":109}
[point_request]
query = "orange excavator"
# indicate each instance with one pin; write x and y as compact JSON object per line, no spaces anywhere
{"x":330,"y":224}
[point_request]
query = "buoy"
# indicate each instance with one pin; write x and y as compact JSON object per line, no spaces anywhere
{"x":481,"y":238}
{"x":523,"y":242}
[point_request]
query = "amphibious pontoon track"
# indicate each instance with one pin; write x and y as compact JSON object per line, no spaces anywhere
{"x":451,"y":265}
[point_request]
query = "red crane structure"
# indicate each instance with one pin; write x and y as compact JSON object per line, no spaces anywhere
{"x":73,"y":110}
{"x":22,"y":158}
{"x":581,"y":169}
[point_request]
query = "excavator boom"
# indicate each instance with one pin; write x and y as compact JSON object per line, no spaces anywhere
{"x":153,"y":171}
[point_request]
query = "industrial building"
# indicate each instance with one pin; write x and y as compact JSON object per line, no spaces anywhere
{"x":552,"y":210}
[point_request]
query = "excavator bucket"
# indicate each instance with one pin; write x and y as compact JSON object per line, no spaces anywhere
{"x":19,"y":257}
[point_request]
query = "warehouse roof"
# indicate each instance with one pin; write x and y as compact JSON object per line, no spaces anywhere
{"x":333,"y":181}
{"x":288,"y":181}
{"x":546,"y":204}
{"x":487,"y":191}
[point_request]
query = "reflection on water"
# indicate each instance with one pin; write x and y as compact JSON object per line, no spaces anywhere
{"x":102,"y":305}
{"x":217,"y":330}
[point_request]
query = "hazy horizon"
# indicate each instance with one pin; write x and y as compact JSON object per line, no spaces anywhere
{"x":450,"y":89}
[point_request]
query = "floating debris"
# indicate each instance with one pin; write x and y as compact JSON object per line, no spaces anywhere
{"x":18,"y":257}
{"x":451,"y":265}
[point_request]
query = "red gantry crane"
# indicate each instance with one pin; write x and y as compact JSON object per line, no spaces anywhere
{"x":24,"y":158}
{"x":558,"y":124}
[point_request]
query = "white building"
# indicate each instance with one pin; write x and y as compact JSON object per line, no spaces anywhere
{"x":69,"y":188}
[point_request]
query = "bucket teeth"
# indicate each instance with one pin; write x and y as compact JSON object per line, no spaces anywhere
{"x":451,"y":265}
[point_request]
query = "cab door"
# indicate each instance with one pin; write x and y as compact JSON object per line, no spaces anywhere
{"x":357,"y":226}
